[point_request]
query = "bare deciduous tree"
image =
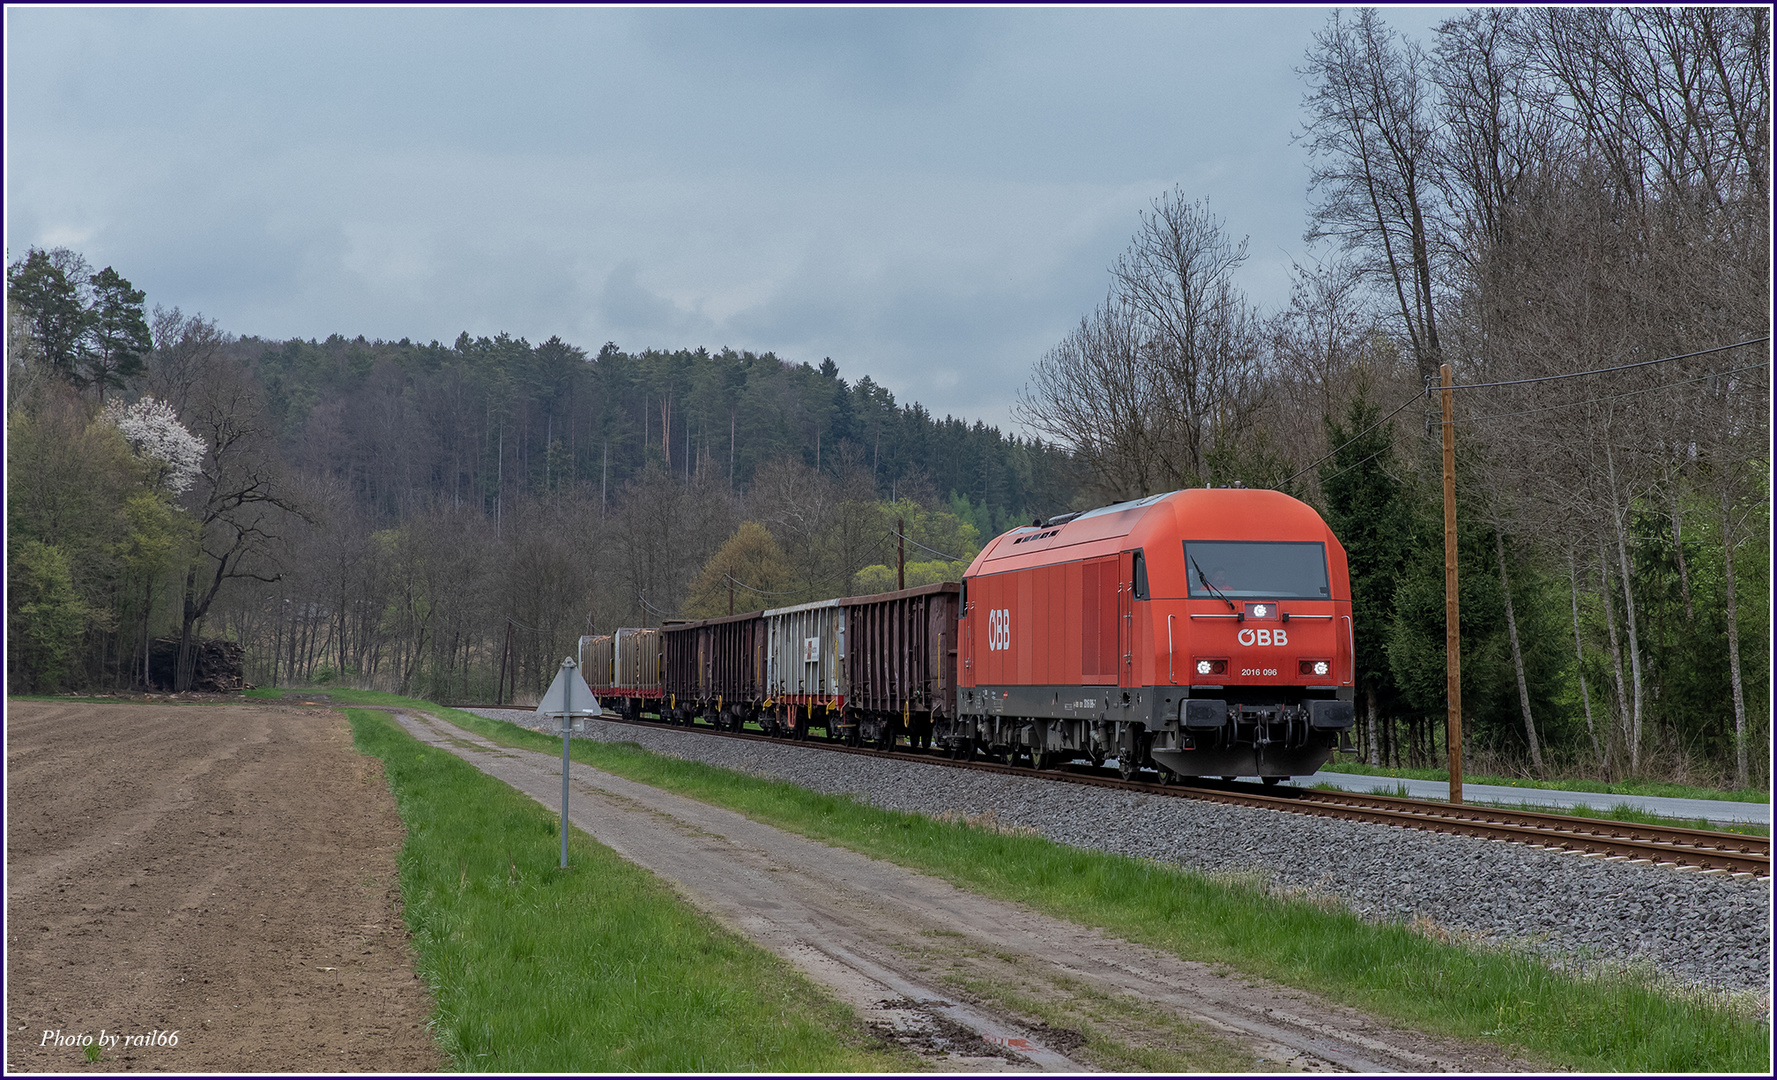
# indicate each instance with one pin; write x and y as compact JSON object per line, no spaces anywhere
{"x":1371,"y":131}
{"x":1168,"y":370}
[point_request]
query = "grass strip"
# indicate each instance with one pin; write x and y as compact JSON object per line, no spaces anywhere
{"x":597,"y":968}
{"x":1656,"y":788}
{"x":1619,"y":1022}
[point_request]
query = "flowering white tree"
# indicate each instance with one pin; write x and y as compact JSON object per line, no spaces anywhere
{"x":155,"y":434}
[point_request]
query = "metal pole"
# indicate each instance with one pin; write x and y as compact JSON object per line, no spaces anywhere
{"x":567,"y":718}
{"x":1452,"y":624}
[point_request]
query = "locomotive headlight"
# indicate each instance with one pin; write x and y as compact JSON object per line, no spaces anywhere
{"x":1203,"y":667}
{"x":1316,"y":667}
{"x":1321,"y":667}
{"x":1211,"y":667}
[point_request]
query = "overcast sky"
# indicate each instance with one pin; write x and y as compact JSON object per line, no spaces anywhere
{"x":932,"y":197}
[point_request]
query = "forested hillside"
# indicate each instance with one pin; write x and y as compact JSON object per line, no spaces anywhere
{"x":485,"y":421}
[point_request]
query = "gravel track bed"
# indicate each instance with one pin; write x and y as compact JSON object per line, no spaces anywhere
{"x":1709,"y":930}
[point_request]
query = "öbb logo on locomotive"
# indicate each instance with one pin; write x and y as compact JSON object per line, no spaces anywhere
{"x":1250,"y":636}
{"x":1126,"y":632}
{"x":999,"y":630}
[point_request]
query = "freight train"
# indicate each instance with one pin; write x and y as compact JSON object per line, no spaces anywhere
{"x":1203,"y":632}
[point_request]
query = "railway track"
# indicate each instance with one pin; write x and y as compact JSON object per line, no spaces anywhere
{"x":1599,"y":838}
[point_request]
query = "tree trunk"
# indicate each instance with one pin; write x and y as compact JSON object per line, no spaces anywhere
{"x":1573,"y":576}
{"x":1741,"y":778}
{"x":1505,"y":586}
{"x":1375,"y":729}
{"x":1617,"y":512}
{"x":1616,"y":649}
{"x":185,"y":668}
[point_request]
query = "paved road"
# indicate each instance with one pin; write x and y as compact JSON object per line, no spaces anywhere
{"x":1708,"y":809}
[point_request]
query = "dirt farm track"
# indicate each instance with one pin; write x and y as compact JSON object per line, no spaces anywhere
{"x":223,"y":871}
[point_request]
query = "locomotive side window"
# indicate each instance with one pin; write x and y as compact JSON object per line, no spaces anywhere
{"x":1141,"y":577}
{"x":1272,"y":570}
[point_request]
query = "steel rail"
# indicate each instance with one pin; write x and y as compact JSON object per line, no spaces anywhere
{"x":1597,"y":837}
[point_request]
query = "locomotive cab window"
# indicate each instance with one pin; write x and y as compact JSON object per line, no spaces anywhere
{"x":1269,"y":570}
{"x":1141,"y":577}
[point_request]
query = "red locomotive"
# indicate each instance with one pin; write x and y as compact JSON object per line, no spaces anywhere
{"x":1206,"y":632}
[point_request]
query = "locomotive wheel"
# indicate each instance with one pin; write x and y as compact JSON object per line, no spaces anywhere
{"x":1165,"y":777}
{"x":1230,"y":779}
{"x":1271,"y":781}
{"x":1126,"y":766}
{"x":1097,"y":760}
{"x":1039,"y":759}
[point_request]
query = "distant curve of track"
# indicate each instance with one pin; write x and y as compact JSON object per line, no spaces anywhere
{"x":1695,"y":848}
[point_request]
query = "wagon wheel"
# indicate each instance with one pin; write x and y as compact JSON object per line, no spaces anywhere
{"x":1040,"y":759}
{"x":1271,"y":781}
{"x":1165,"y":776}
{"x":1097,"y":760}
{"x":1126,"y":766}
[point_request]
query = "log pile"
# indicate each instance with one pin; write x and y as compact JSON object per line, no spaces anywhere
{"x":220,"y":669}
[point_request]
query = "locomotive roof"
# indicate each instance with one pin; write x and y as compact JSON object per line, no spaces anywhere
{"x":1207,"y":513}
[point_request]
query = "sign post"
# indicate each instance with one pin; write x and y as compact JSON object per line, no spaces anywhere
{"x":568,"y":696}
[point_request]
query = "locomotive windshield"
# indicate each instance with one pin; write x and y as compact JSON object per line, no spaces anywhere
{"x":1268,"y":570}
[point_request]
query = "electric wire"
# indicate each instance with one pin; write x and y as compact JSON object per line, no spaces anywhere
{"x":1317,"y":462}
{"x":917,"y":544}
{"x":736,"y":582}
{"x":1613,"y":397}
{"x":1608,"y":370}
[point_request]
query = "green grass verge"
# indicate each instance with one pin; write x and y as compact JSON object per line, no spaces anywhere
{"x":598,"y":968}
{"x":1626,"y":787}
{"x":1606,"y":1023}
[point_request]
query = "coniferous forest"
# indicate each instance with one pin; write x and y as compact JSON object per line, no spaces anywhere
{"x":1568,"y":207}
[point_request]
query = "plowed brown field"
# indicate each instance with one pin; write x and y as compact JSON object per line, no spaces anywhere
{"x":223,"y":871}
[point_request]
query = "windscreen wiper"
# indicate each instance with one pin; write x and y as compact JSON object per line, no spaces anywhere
{"x":1213,"y":591}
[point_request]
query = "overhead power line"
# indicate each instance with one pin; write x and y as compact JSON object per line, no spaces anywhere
{"x":1613,"y":397}
{"x":1315,"y":464}
{"x":917,"y":544}
{"x":1608,"y":370}
{"x":732,"y":580}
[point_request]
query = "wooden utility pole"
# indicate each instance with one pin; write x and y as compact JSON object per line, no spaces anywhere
{"x":900,"y":554}
{"x":1452,"y":625}
{"x":505,"y":657}
{"x":730,"y":596}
